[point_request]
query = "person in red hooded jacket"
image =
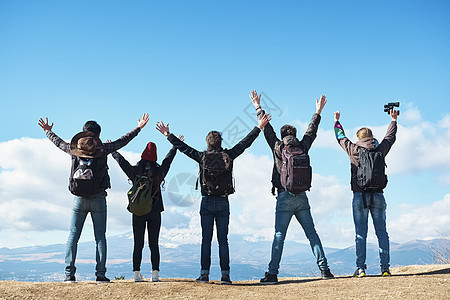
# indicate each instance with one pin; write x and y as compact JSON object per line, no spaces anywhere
{"x":151,"y":220}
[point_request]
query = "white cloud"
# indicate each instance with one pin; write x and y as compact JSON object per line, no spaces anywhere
{"x":421,"y":221}
{"x":34,"y":201}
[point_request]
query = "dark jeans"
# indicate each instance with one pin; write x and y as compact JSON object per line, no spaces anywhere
{"x":153,"y":223}
{"x":218,"y":209}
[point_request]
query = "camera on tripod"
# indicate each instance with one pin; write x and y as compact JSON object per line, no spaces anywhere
{"x":390,"y":106}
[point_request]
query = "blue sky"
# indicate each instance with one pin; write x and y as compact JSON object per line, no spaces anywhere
{"x":193,"y":64}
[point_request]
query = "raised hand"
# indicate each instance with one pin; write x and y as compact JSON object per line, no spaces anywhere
{"x":164,"y":129}
{"x":262,"y":121}
{"x":337,"y":115}
{"x":256,"y":100}
{"x":394,"y":114}
{"x":320,"y":104}
{"x":143,"y":122}
{"x":45,"y":124}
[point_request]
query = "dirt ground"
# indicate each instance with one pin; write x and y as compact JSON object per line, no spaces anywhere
{"x":410,"y":282}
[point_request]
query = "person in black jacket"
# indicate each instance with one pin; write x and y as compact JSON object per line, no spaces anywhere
{"x":152,"y":220}
{"x":289,"y":204}
{"x":214,"y":207}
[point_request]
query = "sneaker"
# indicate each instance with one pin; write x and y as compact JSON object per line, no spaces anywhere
{"x":138,"y":276}
{"x":102,"y":279}
{"x":155,"y":276}
{"x":203,"y":278}
{"x":70,"y":279}
{"x":269,"y":278}
{"x":326,"y":274}
{"x":385,"y":272}
{"x":359,"y":273}
{"x":225,"y":279}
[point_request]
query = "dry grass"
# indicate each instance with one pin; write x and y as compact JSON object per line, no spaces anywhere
{"x":410,"y":282}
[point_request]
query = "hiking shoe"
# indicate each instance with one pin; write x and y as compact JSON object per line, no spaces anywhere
{"x":203,"y":278}
{"x":385,"y":273}
{"x":359,"y":273}
{"x":138,"y":276}
{"x":326,"y":274}
{"x":269,"y":278}
{"x":225,"y":279}
{"x":70,"y":279}
{"x":102,"y":279}
{"x":155,"y":276}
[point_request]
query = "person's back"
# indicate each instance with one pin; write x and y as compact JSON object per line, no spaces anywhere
{"x":215,"y":165}
{"x":292,"y":202}
{"x":150,"y":219}
{"x":88,"y":182}
{"x":366,"y":199}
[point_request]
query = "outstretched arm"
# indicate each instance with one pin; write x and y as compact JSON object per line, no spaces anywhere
{"x":390,"y":137}
{"x":269,"y":133}
{"x":124,"y":140}
{"x":179,"y":144}
{"x":311,"y":133}
{"x":345,"y":142}
{"x":60,"y":143}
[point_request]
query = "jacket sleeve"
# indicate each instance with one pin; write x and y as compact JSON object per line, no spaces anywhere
{"x":349,"y":147}
{"x":126,"y":167}
{"x":189,"y":151}
{"x":270,"y":135}
{"x":165,"y":165}
{"x":311,"y":133}
{"x":60,"y":143}
{"x":246,"y":142}
{"x":389,"y":139}
{"x":121,"y":142}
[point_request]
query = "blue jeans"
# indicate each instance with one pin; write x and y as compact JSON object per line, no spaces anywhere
{"x":216,"y":209}
{"x":289,"y":205}
{"x":377,"y":209}
{"x":96,"y":205}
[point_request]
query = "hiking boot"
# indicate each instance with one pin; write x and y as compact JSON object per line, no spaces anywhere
{"x":203,"y":278}
{"x":359,"y":273}
{"x":70,"y":279}
{"x":326,"y":274}
{"x":138,"y":276}
{"x":269,"y":278}
{"x":225,"y":279}
{"x":385,"y":272}
{"x":155,"y":276}
{"x":102,"y":279}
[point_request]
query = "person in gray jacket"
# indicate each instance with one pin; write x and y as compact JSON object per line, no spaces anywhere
{"x":289,"y":204}
{"x":87,"y":151}
{"x":377,"y":204}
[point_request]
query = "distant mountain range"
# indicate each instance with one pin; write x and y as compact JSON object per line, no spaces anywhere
{"x":248,"y":259}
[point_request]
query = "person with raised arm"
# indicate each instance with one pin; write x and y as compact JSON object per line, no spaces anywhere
{"x":291,"y":178}
{"x":368,"y":196}
{"x":215,"y":176}
{"x":88,"y":182}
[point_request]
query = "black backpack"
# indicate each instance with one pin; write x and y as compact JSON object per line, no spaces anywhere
{"x":371,"y":175}
{"x":217,"y":176}
{"x":140,"y":199}
{"x":296,"y":171}
{"x":87,"y":175}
